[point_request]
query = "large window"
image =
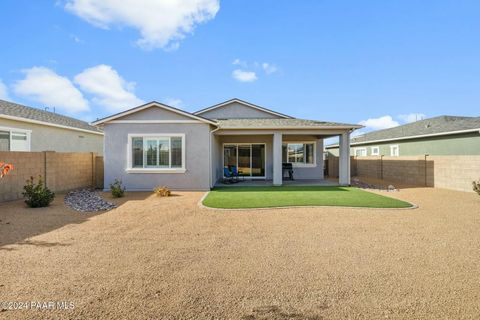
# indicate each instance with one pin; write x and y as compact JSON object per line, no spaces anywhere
{"x":14,"y":139}
{"x":157,"y":153}
{"x":249,"y":159}
{"x":299,"y":153}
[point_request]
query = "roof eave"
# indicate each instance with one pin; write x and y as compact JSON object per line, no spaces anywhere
{"x":221,"y":104}
{"x":148,"y":105}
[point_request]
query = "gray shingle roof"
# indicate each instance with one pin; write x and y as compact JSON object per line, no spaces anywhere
{"x":434,"y":125}
{"x":279,"y":123}
{"x":18,"y":110}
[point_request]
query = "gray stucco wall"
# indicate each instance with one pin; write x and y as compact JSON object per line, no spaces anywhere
{"x":236,"y":110}
{"x":47,"y":138}
{"x":197,"y":175}
{"x":299,"y":173}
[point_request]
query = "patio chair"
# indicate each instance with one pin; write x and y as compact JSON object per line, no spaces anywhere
{"x":235,"y":173}
{"x":227,"y":176}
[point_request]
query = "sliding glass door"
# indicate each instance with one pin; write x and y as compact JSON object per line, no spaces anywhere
{"x":248,"y":158}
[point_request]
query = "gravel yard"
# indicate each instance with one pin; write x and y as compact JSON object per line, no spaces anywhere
{"x":166,"y":258}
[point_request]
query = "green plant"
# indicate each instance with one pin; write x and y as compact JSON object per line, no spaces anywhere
{"x":476,"y":186}
{"x":162,"y":191}
{"x":117,"y":189}
{"x":37,"y":194}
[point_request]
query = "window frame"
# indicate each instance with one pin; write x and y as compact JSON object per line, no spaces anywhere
{"x":304,"y":164}
{"x":391,"y":150}
{"x":11,"y":131}
{"x":375,"y":148}
{"x":360,"y":149}
{"x":144,"y":136}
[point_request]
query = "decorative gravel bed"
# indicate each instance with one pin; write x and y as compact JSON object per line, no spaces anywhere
{"x":363,"y":185}
{"x":85,"y":200}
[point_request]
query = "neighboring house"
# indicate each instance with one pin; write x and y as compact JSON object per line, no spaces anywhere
{"x":24,"y":128}
{"x":155,"y":144}
{"x":443,"y":135}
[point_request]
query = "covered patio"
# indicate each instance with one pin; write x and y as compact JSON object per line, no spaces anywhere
{"x":268,"y":183}
{"x":259,"y":149}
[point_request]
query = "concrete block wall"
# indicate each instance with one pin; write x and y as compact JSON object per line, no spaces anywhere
{"x":449,"y":172}
{"x":60,"y":171}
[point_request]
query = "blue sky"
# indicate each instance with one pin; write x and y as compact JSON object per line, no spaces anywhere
{"x":347,"y":61}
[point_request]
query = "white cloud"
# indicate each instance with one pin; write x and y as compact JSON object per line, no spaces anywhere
{"x":411,"y":117}
{"x":174,"y":102}
{"x":244,"y":76}
{"x":269,"y":68}
{"x":45,"y":86}
{"x":379,"y":123}
{"x":161,"y":23}
{"x":108,"y":88}
{"x":238,"y":62}
{"x":3,"y":91}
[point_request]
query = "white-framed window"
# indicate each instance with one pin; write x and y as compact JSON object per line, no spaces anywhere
{"x":12,"y":139}
{"x":156,"y":153}
{"x":299,"y":154}
{"x":360,"y":152}
{"x":395,"y":150}
{"x":375,"y":151}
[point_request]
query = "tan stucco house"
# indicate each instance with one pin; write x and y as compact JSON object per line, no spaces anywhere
{"x":25,"y":128}
{"x":156,"y":144}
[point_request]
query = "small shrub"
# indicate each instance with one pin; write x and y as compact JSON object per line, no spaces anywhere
{"x":476,"y":186}
{"x":117,"y":189}
{"x":162,"y":191}
{"x":37,"y":194}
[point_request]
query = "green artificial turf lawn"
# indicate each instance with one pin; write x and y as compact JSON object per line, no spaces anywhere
{"x":285,"y":196}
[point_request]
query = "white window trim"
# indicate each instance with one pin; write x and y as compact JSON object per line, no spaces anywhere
{"x":360,"y":149}
{"x":303,"y":165}
{"x":12,"y":130}
{"x":129,"y":168}
{"x":375,"y":148}
{"x":250,"y":144}
{"x":391,"y":150}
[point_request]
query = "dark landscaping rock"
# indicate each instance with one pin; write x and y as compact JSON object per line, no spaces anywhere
{"x":85,"y":200}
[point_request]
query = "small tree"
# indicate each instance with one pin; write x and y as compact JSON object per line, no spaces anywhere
{"x":476,"y":186}
{"x":5,"y":168}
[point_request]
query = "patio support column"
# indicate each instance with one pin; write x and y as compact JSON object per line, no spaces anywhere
{"x":277,"y":159}
{"x":344,"y":161}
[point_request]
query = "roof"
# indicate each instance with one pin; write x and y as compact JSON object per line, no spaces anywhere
{"x":18,"y":112}
{"x":282,"y":123}
{"x":245,"y":103}
{"x":437,"y":126}
{"x":149,"y":105}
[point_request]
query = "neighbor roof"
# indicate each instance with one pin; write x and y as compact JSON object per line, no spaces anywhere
{"x":18,"y":112}
{"x":245,"y":103}
{"x":436,"y":126}
{"x":282,"y":123}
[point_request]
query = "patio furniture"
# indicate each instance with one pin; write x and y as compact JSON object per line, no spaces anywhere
{"x":228,"y":176}
{"x":236,"y":173}
{"x":287,"y":167}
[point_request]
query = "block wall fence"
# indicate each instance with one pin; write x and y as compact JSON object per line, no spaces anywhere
{"x":449,"y":172}
{"x":60,"y":171}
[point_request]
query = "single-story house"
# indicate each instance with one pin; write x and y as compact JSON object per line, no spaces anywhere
{"x":443,"y":135}
{"x":156,"y":144}
{"x":24,"y":128}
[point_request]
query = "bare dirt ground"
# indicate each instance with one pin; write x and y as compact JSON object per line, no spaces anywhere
{"x":166,"y":258}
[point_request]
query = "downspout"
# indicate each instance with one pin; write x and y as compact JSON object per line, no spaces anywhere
{"x":210,"y":156}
